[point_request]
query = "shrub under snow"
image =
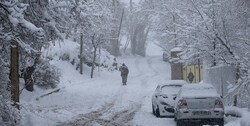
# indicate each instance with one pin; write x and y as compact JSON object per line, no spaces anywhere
{"x":46,"y":76}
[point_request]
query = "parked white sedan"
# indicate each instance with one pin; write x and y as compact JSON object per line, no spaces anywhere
{"x":199,"y":103}
{"x":163,"y":97}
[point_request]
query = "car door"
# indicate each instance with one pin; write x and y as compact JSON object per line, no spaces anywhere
{"x":155,"y":96}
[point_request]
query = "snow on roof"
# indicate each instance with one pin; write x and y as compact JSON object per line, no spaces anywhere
{"x":173,"y":82}
{"x":176,"y":49}
{"x":170,"y":90}
{"x":198,"y":90}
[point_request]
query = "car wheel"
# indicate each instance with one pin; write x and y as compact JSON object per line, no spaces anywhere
{"x":221,"y":123}
{"x":199,"y":124}
{"x":179,"y":123}
{"x":153,"y":109}
{"x":157,"y":112}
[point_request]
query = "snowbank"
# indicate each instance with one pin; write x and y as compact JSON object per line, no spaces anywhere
{"x":242,"y":113}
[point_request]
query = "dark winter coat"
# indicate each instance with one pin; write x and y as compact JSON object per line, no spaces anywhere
{"x":124,"y":70}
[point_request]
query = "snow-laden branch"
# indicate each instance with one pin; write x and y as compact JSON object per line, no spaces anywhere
{"x":16,"y":18}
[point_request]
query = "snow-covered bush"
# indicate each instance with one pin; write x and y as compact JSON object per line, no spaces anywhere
{"x":242,"y":113}
{"x":65,"y":57}
{"x":8,"y":114}
{"x":46,"y":76}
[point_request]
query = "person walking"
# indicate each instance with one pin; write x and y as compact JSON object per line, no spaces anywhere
{"x":124,"y":73}
{"x":190,"y":76}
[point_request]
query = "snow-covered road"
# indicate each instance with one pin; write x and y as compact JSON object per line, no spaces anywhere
{"x":101,"y":101}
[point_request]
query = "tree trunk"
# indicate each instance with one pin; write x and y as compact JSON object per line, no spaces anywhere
{"x":120,"y":26}
{"x":139,"y":40}
{"x":93,"y":63}
{"x":14,"y":73}
{"x":81,"y":56}
{"x":134,"y":41}
{"x":115,"y":45}
{"x":94,"y":57}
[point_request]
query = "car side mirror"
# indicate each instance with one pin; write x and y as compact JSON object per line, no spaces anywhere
{"x":171,"y":110}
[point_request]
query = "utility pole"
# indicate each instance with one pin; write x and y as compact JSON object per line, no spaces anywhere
{"x":120,"y":26}
{"x":81,"y":55}
{"x":199,"y":65}
{"x":175,"y":34}
{"x":115,"y":44}
{"x":14,"y":73}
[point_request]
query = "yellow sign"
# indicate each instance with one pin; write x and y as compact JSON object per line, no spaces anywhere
{"x":193,"y":73}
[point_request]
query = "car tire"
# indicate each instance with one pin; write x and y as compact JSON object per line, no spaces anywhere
{"x":157,"y":112}
{"x":221,"y":123}
{"x":200,"y":124}
{"x":179,"y":123}
{"x":153,"y":109}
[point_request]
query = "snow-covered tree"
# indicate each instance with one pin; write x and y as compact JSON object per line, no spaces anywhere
{"x":137,"y":28}
{"x":89,"y":18}
{"x":27,"y":23}
{"x":215,"y":31}
{"x":13,"y":27}
{"x":220,"y":37}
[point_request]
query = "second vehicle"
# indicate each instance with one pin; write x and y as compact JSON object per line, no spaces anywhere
{"x":163,"y":97}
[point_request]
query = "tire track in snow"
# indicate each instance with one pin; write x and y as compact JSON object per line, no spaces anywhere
{"x":85,"y":119}
{"x":120,"y":118}
{"x":104,"y":116}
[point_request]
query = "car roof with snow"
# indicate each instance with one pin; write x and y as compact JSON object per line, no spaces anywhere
{"x":198,"y":90}
{"x":173,"y":82}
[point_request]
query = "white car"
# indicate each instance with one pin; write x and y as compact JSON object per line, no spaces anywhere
{"x":199,"y":103}
{"x":163,"y":97}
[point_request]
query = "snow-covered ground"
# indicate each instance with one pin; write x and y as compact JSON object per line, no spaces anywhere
{"x":80,"y":96}
{"x":102,"y":100}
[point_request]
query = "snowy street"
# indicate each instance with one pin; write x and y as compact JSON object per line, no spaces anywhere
{"x":101,"y":101}
{"x":124,"y":62}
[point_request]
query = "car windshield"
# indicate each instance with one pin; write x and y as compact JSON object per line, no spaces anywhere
{"x":170,"y":89}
